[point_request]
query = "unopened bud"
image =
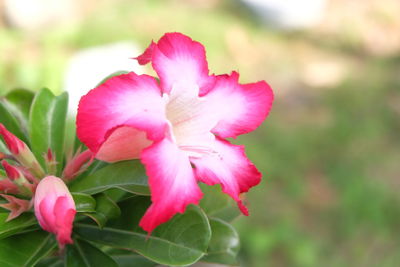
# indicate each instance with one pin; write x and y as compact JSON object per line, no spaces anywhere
{"x":55,"y":208}
{"x":77,"y":164}
{"x":17,"y":177}
{"x":51,"y":163}
{"x":21,"y":152}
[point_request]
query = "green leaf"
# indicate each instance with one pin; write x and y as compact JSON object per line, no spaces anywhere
{"x":82,"y":253}
{"x":218,"y":204}
{"x":84,"y":202}
{"x":126,"y":175}
{"x":181,"y":241}
{"x":50,"y":262}
{"x":16,"y":225}
{"x":25,"y":249}
{"x":20,"y":101}
{"x":106,"y":209}
{"x":11,"y":122}
{"x":224,"y":245}
{"x":47,"y":125}
{"x":133,"y":260}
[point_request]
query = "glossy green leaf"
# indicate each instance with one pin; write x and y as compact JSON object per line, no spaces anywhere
{"x":47,"y":124}
{"x":217,"y":204}
{"x":84,"y":202}
{"x":224,"y":245}
{"x":126,"y":175}
{"x":106,"y":209}
{"x":11,"y":122}
{"x":133,"y":260}
{"x":25,"y":249}
{"x":181,"y":241}
{"x":82,"y":254}
{"x":20,"y":101}
{"x":16,"y":225}
{"x":50,"y":262}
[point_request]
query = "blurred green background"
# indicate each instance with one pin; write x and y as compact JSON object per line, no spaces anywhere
{"x":330,"y":149}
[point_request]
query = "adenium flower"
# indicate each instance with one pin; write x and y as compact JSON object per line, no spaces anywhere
{"x":176,"y":126}
{"x":55,"y":208}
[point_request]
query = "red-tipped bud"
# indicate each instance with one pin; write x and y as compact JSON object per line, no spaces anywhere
{"x":18,"y":178}
{"x":12,"y":172}
{"x":14,"y":144}
{"x":8,"y":187}
{"x":77,"y":164}
{"x":55,"y":208}
{"x":15,"y":205}
{"x":51,"y":163}
{"x":21,"y":152}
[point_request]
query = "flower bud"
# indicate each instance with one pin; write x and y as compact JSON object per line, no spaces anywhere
{"x":77,"y":164}
{"x":7,"y":186}
{"x":55,"y":208}
{"x":17,"y":177}
{"x":21,"y":152}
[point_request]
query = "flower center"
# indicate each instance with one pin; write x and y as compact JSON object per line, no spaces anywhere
{"x":190,"y":120}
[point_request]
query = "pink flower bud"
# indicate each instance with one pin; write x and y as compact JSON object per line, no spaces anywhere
{"x":55,"y":208}
{"x":8,"y":187}
{"x":18,"y":178}
{"x":21,"y":152}
{"x":77,"y":165}
{"x":14,"y":144}
{"x":12,"y":172}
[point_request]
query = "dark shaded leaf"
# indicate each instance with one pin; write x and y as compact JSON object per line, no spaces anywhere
{"x":181,"y":241}
{"x":218,"y":204}
{"x":20,"y":100}
{"x":224,"y":245}
{"x":84,"y":202}
{"x":25,"y":249}
{"x":106,"y":209}
{"x":82,"y":254}
{"x":16,"y":225}
{"x":133,"y":260}
{"x":11,"y":122}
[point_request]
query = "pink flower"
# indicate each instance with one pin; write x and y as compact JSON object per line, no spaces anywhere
{"x":177,"y":127}
{"x":55,"y":208}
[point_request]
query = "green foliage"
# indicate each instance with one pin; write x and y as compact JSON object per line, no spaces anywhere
{"x":47,"y":121}
{"x":128,"y":176}
{"x":25,"y":249}
{"x":110,"y":200}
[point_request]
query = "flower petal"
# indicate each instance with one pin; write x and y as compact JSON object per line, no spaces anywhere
{"x":127,"y":100}
{"x":178,"y":59}
{"x":229,"y":167}
{"x":172,"y":183}
{"x":239,"y":108}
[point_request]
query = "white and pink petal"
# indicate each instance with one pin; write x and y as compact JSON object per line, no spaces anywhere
{"x":240,"y":108}
{"x":178,"y":59}
{"x":230,"y":168}
{"x":107,"y":113}
{"x":172,"y":182}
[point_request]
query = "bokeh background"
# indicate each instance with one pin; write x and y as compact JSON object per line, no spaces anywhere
{"x":330,"y":149}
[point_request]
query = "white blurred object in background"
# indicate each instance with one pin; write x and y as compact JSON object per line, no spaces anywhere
{"x":89,"y":67}
{"x":38,"y":14}
{"x":288,"y":14}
